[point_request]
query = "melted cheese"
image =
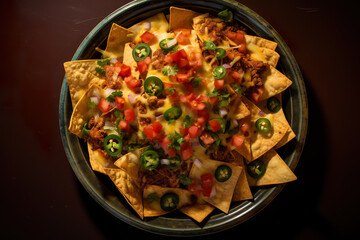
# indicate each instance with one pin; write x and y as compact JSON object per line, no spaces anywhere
{"x":255,"y":52}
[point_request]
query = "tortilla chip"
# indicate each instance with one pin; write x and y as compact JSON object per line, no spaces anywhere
{"x":127,"y":187}
{"x":82,"y":113}
{"x":224,"y":190}
{"x":238,"y":109}
{"x":271,"y":57}
{"x":180,"y":17}
{"x":281,"y":116}
{"x":198,"y":212}
{"x":117,"y":38}
{"x":152,"y":207}
{"x":242,"y":189}
{"x":263,"y":142}
{"x":197,"y":21}
{"x":274,"y":82}
{"x":130,"y":163}
{"x":277,"y":171}
{"x":80,"y":75}
{"x":130,"y":61}
{"x":261,"y":42}
{"x":98,"y":161}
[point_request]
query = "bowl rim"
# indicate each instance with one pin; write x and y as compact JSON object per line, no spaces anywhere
{"x":219,"y":222}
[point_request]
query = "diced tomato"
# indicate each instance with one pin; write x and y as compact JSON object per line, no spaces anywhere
{"x":182,"y":39}
{"x":120,"y":102}
{"x":215,"y":125}
{"x":157,"y":126}
{"x":255,"y":94}
{"x":195,"y":59}
{"x":184,"y":131}
{"x":213,"y":100}
{"x":132,"y":82}
{"x":153,"y":130}
{"x":146,"y":37}
{"x":197,"y":106}
{"x":129,"y":114}
{"x":194,"y":131}
{"x":206,"y":182}
{"x":125,"y":70}
{"x":202,"y":117}
{"x":182,"y":62}
{"x":188,"y":98}
{"x":182,"y":77}
{"x":104,"y":105}
{"x":236,"y":76}
{"x":195,"y":188}
{"x":123,"y":125}
{"x":143,"y":64}
{"x":245,"y":128}
{"x":237,"y":37}
{"x":242,"y":48}
{"x":186,"y":151}
{"x":178,"y":55}
{"x":207,"y":139}
{"x":187,"y":137}
{"x":164,"y":143}
{"x":237,"y":141}
{"x":116,"y":67}
{"x":185,"y":31}
{"x":219,"y":84}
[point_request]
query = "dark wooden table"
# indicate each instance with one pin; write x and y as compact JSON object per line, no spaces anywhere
{"x":40,"y":195}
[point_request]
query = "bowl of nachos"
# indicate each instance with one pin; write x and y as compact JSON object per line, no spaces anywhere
{"x":183,"y":119}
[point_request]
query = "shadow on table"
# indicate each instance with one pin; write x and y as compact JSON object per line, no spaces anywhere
{"x":292,"y":215}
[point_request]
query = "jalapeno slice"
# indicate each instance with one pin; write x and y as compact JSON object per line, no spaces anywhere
{"x":141,"y":51}
{"x":149,"y":160}
{"x":174,"y":162}
{"x":223,"y":173}
{"x":153,"y":86}
{"x":85,"y":130}
{"x":220,"y":53}
{"x":222,"y":125}
{"x":172,"y":113}
{"x":256,"y":168}
{"x":263,"y":125}
{"x":113,"y":145}
{"x":169,"y":201}
{"x":214,"y":144}
{"x":219,"y":72}
{"x":163,"y":44}
{"x":273,"y":104}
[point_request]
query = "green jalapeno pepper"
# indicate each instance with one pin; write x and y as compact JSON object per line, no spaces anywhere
{"x":220,"y":53}
{"x":149,"y":160}
{"x":141,"y":51}
{"x":85,"y":131}
{"x":223,"y":173}
{"x":172,"y":113}
{"x":273,"y":104}
{"x":225,"y":15}
{"x":214,"y":144}
{"x":219,"y":72}
{"x":174,"y":162}
{"x":263,"y":125}
{"x":153,"y":86}
{"x":113,"y":145}
{"x":163,"y":44}
{"x":256,"y":168}
{"x":169,"y":201}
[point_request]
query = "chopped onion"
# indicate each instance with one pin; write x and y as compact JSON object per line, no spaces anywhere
{"x":113,"y":104}
{"x":160,"y":117}
{"x":198,"y":163}
{"x":109,"y":91}
{"x":261,"y":113}
{"x":96,"y":117}
{"x":95,"y":100}
{"x":113,"y":60}
{"x":109,"y":124}
{"x":226,"y":65}
{"x":222,"y":112}
{"x":147,"y":25}
{"x":171,"y":43}
{"x":235,"y":122}
{"x":195,"y":142}
{"x":131,"y":99}
{"x":165,"y":161}
{"x":156,"y":145}
{"x":213,"y":192}
{"x":96,"y":93}
{"x":107,"y":164}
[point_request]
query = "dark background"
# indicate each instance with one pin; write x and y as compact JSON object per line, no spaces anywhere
{"x":42,"y":198}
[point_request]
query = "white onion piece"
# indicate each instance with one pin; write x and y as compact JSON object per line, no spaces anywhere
{"x":222,"y":112}
{"x":160,"y":117}
{"x":109,"y":91}
{"x":113,"y":104}
{"x":226,"y":65}
{"x":235,"y":122}
{"x":109,"y":124}
{"x":171,"y":43}
{"x":131,"y":99}
{"x":96,"y":93}
{"x":195,"y":142}
{"x":96,"y":117}
{"x":213,"y":191}
{"x":156,"y":146}
{"x":147,"y":25}
{"x":198,"y":163}
{"x":113,"y":60}
{"x":262,"y":113}
{"x":165,"y":161}
{"x":95,"y":100}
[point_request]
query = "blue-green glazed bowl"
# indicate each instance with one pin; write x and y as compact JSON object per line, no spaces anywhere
{"x":177,"y":224}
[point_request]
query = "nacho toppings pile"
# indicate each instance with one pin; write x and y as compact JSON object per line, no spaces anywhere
{"x":182,"y":112}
